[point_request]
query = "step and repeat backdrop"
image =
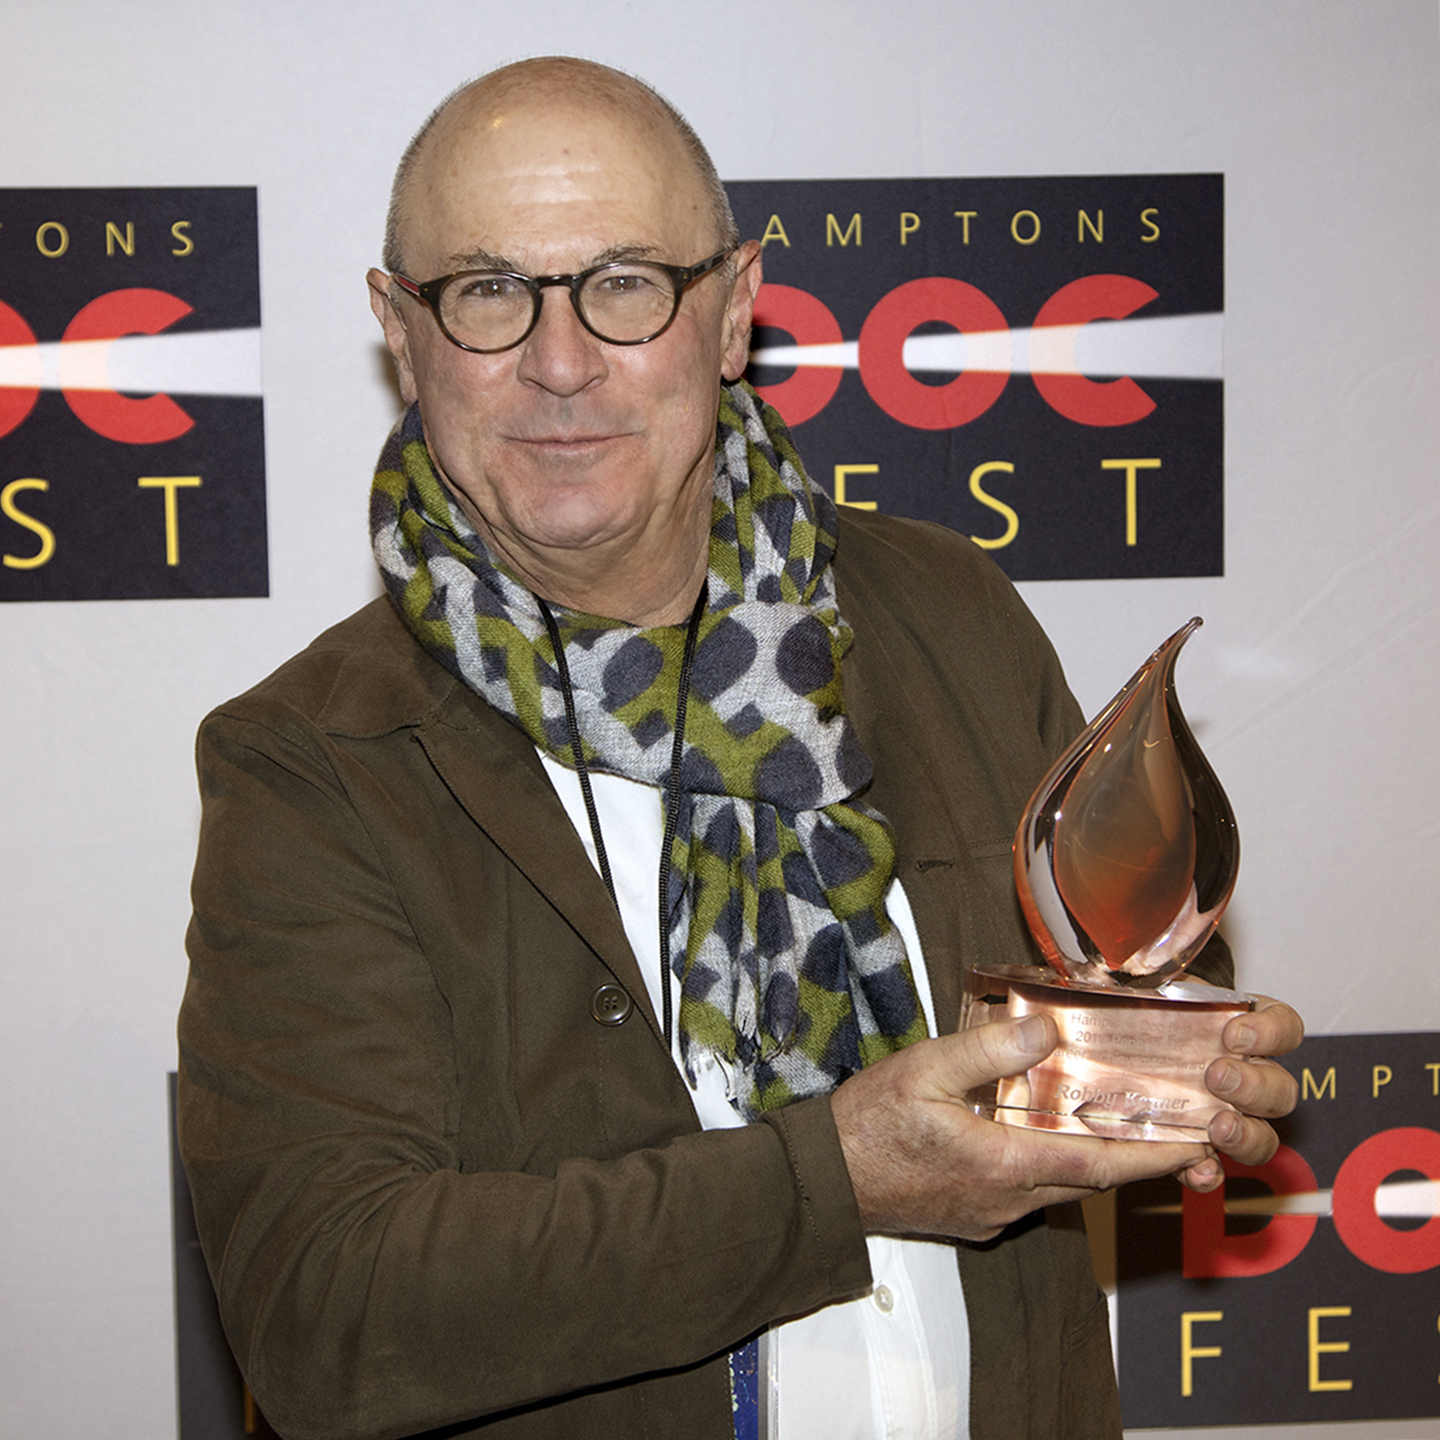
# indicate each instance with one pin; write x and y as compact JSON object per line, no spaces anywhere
{"x":1139,"y":296}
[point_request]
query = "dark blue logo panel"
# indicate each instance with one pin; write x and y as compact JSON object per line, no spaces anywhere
{"x":132,"y":455}
{"x":1305,"y":1291}
{"x":1033,"y":362}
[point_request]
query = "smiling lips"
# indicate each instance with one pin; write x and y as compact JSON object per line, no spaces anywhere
{"x":562,"y":443}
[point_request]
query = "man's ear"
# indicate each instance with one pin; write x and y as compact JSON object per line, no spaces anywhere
{"x":740,"y":311}
{"x":397,"y":338}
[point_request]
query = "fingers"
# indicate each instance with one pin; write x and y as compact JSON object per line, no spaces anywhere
{"x":921,"y":1161}
{"x":950,"y":1067}
{"x":1060,"y":1167}
{"x":992,"y":1052}
{"x":1255,"y":1087}
{"x":1271,"y":1028}
{"x":1127,"y":1160}
{"x":1005,"y":1171}
{"x":1208,"y":1175}
{"x":1041,"y":1168}
{"x":1258,"y":1089}
{"x":1244,"y":1138}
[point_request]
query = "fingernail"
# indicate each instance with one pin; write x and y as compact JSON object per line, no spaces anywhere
{"x":1229,"y":1081}
{"x":1225,"y":1127}
{"x":1030,"y":1035}
{"x":1207,"y":1172}
{"x":1243,"y":1039}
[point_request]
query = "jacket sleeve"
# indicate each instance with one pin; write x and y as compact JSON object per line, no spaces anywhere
{"x":371,"y":1283}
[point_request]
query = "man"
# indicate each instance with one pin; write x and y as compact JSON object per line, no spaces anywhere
{"x":476,"y":1143}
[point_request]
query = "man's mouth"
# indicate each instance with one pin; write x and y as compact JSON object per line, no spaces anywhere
{"x":561,"y":442}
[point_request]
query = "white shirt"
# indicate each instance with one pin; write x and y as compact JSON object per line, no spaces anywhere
{"x":894,"y":1363}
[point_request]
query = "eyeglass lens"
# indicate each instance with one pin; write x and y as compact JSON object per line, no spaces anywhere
{"x":622,"y":303}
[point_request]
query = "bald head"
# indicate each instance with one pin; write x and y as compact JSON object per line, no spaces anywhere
{"x":585,"y":464}
{"x":551,"y":86}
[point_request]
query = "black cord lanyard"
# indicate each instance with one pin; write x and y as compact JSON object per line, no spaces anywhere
{"x":672,"y":785}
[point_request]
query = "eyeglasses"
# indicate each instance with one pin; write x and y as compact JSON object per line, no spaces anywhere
{"x":627,"y":302}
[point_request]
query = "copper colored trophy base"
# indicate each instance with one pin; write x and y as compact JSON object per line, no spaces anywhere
{"x":1130,"y":1064}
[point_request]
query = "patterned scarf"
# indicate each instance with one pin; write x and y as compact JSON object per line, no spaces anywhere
{"x":791,"y":971}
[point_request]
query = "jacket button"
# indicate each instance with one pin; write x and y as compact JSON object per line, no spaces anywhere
{"x":611,"y":1005}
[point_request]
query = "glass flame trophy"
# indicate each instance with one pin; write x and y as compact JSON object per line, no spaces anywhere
{"x":1125,"y":859}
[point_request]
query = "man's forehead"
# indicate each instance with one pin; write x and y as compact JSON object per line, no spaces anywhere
{"x":549,"y":122}
{"x":504,"y":182}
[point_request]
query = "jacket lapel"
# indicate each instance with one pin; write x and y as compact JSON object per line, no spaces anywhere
{"x":493,"y":771}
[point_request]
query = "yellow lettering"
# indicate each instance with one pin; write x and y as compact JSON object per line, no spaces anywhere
{"x":774,"y":231}
{"x":1434,"y":1069}
{"x":841,"y":471}
{"x":1012,"y":520}
{"x":1130,"y":467}
{"x":113,"y":237}
{"x":59,"y":247}
{"x":1329,"y":1347}
{"x":1015,"y":219}
{"x":965,"y":217}
{"x":1096,"y":226}
{"x":1189,"y":1351}
{"x":909,"y":224}
{"x":186,"y":245}
{"x":1380,"y":1075}
{"x":1154,"y":229}
{"x":170,"y":484}
{"x":834,"y":233}
{"x":1310,"y":1090}
{"x":46,"y":534}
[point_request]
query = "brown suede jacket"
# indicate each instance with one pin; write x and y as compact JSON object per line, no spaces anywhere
{"x":432,"y":1189}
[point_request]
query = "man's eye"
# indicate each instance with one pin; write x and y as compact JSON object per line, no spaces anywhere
{"x":623,"y":282}
{"x":489,"y":287}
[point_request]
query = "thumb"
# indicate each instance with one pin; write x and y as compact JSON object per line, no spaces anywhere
{"x":991,"y":1052}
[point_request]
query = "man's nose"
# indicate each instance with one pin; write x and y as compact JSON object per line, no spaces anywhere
{"x":560,"y":354}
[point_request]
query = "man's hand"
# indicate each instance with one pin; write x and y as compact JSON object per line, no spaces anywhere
{"x":923,"y":1163}
{"x":1257,"y":1087}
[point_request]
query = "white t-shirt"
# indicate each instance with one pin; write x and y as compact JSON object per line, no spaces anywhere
{"x":894,"y":1363}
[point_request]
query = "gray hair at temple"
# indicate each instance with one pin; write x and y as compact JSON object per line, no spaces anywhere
{"x":579,"y":77}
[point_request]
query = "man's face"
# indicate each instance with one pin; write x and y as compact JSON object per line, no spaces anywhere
{"x":565,"y":443}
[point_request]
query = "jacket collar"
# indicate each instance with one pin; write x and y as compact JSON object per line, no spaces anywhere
{"x":386,"y":683}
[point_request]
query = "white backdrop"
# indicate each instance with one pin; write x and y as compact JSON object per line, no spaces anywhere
{"x":1314,"y":687}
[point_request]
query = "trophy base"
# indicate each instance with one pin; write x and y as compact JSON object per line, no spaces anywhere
{"x":1130,"y":1064}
